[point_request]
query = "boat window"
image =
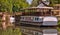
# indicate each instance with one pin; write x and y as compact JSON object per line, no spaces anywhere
{"x":36,"y":18}
{"x":22,"y":17}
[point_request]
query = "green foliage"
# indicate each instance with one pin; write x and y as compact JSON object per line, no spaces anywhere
{"x":10,"y":31}
{"x":35,"y":2}
{"x":19,"y":4}
{"x":12,"y":5}
{"x":58,"y":1}
{"x":58,"y":26}
{"x":54,"y":2}
{"x":5,"y":5}
{"x":59,"y":23}
{"x":58,"y":29}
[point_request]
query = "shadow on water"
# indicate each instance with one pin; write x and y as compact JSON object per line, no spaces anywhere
{"x":35,"y":30}
{"x":29,"y":25}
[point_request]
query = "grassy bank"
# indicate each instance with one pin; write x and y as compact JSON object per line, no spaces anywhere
{"x":10,"y":31}
{"x":59,"y":26}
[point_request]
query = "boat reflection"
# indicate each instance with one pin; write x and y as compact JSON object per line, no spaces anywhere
{"x":39,"y":30}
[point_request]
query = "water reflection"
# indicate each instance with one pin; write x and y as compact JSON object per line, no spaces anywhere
{"x":38,"y":30}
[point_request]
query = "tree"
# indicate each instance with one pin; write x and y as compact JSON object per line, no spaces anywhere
{"x":6,"y":5}
{"x":12,"y":5}
{"x":19,"y":4}
{"x":35,"y":3}
{"x":52,"y":2}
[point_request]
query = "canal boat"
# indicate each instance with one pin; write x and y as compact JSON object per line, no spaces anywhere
{"x":40,"y":15}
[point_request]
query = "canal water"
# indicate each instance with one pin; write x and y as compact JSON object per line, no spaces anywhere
{"x":37,"y":30}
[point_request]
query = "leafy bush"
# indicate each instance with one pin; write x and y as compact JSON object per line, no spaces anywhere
{"x":59,"y":23}
{"x":10,"y":31}
{"x":58,"y":26}
{"x":58,"y":29}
